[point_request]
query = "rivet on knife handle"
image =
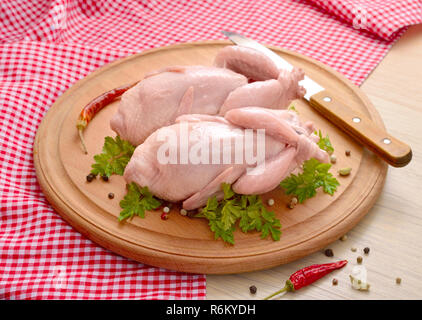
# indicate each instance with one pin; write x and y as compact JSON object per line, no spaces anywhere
{"x":363,"y":129}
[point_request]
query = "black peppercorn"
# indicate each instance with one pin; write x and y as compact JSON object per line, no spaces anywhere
{"x":90,"y":177}
{"x":192,"y":213}
{"x":252,"y":289}
{"x":167,"y":204}
{"x":329,"y":253}
{"x":104,"y":177}
{"x":366,"y":250}
{"x":111,"y":195}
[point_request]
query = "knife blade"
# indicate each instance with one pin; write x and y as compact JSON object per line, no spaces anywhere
{"x":356,"y":124}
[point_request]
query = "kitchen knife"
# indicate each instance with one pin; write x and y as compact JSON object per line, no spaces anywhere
{"x":357,"y":125}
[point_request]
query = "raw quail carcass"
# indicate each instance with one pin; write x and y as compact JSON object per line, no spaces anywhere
{"x":164,"y":95}
{"x":287,"y":144}
{"x":167,"y":93}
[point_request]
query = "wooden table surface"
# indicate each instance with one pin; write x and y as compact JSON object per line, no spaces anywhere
{"x":393,"y":227}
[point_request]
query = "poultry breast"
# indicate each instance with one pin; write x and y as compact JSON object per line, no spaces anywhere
{"x":162,"y":96}
{"x":286,"y":144}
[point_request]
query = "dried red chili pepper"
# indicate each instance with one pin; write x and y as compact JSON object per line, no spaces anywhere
{"x":308,"y":275}
{"x":95,"y":105}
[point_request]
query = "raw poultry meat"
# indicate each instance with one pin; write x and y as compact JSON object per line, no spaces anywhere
{"x":287,"y":144}
{"x":249,"y":62}
{"x":164,"y":95}
{"x":168,"y":93}
{"x":274,"y":94}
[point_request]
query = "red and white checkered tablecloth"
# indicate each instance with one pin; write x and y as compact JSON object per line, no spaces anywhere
{"x":47,"y":45}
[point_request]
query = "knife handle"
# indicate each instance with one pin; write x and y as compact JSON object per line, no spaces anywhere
{"x":362,"y":129}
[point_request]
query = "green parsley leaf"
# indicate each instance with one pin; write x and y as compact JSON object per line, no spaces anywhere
{"x":325,"y":143}
{"x":136,"y":201}
{"x":315,"y":175}
{"x":292,"y":108}
{"x":114,"y":158}
{"x":248,"y":210}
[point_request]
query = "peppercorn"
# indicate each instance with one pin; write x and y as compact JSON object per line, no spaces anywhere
{"x":183,"y":212}
{"x":345,"y":171}
{"x":252,"y":289}
{"x":347,"y":152}
{"x":192,"y":213}
{"x":111,"y":195}
{"x":398,"y":280}
{"x":359,"y":259}
{"x":366,"y":250}
{"x":329,"y":252}
{"x":164,"y":216}
{"x":335,"y":282}
{"x":353,"y":249}
{"x":333,"y":159}
{"x":90,"y":177}
{"x":293,"y":203}
{"x":167,"y":204}
{"x":271,"y":202}
{"x":166,"y":209}
{"x":344,"y":238}
{"x":104,"y":177}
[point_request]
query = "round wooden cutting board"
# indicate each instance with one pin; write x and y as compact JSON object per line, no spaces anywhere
{"x":182,"y":243}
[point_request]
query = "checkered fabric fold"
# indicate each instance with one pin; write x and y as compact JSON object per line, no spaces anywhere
{"x":382,"y":17}
{"x":47,"y":45}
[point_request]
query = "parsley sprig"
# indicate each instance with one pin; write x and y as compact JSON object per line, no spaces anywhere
{"x":315,"y":175}
{"x":114,"y":158}
{"x":325,"y":143}
{"x":248,"y":210}
{"x":136,"y":201}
